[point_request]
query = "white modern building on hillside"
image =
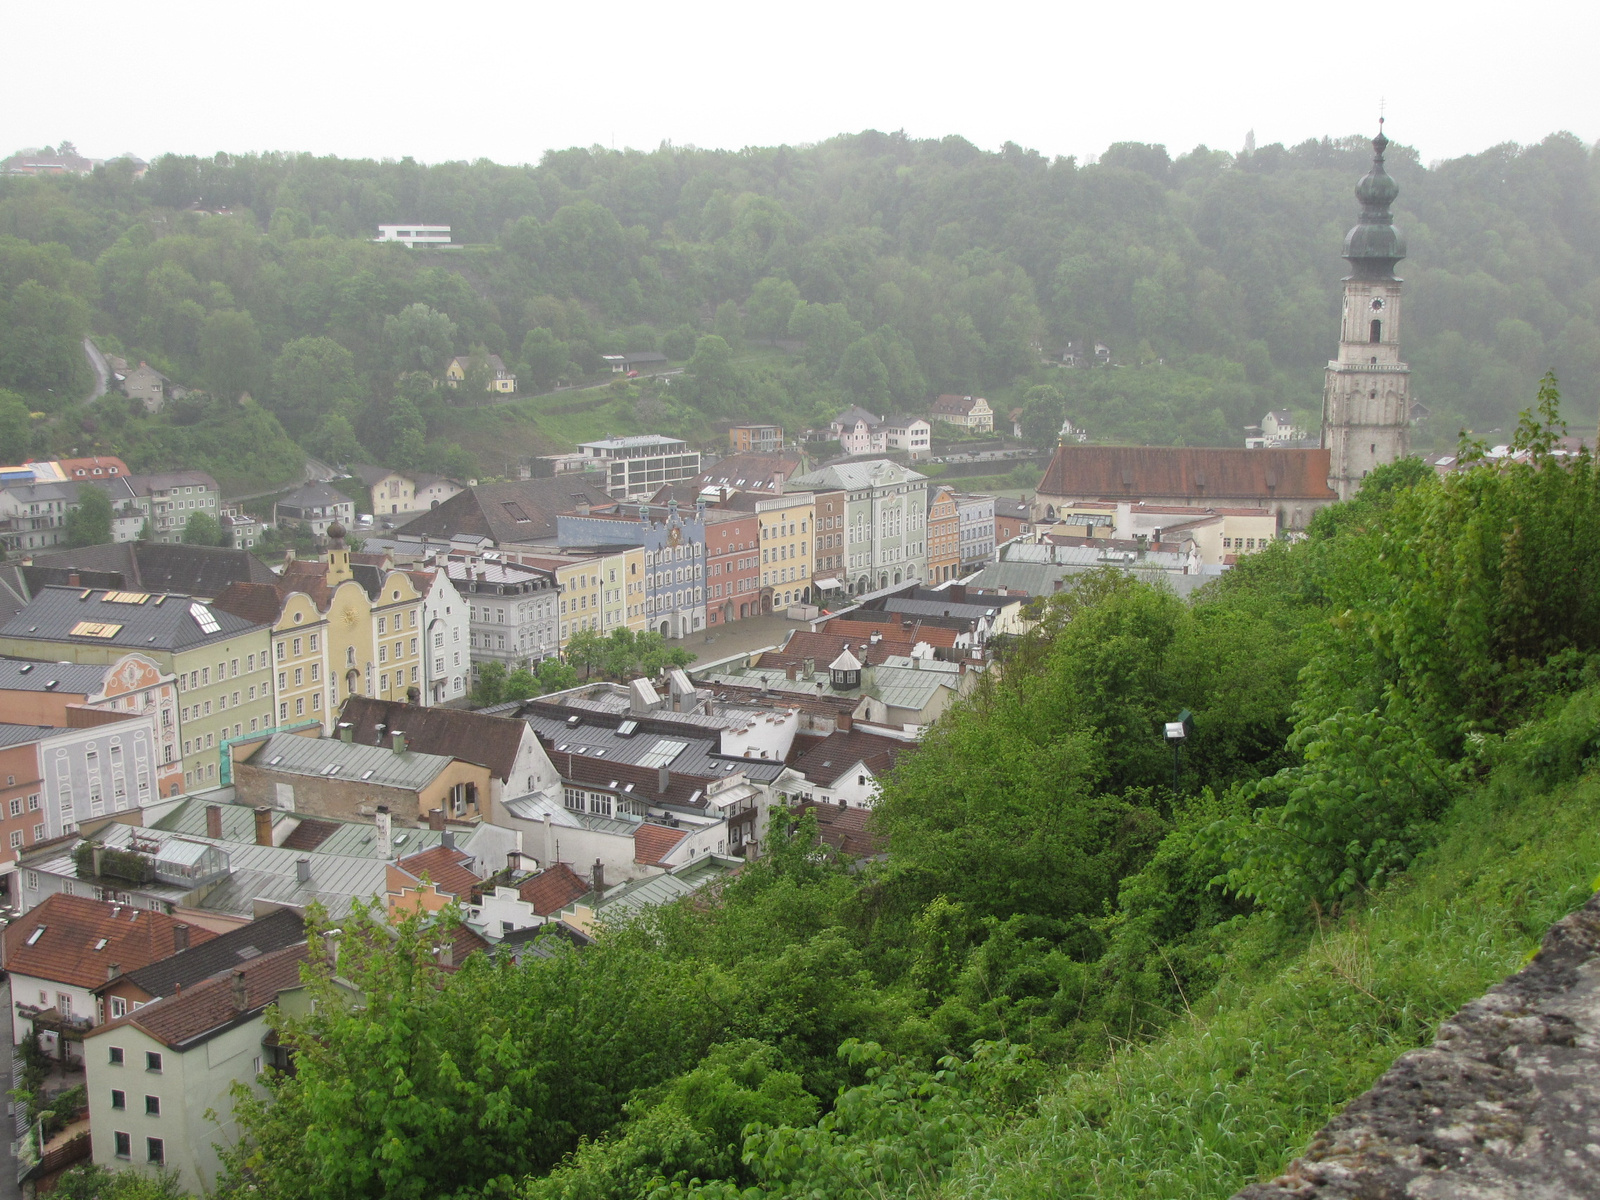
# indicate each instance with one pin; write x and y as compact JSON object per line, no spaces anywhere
{"x":415,"y":235}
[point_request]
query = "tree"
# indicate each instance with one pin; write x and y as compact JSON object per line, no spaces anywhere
{"x":520,"y":684}
{"x":420,"y":339}
{"x":587,"y":649}
{"x":312,"y":379}
{"x":91,"y":1181}
{"x":230,"y":354}
{"x":202,"y":529}
{"x":711,"y":379}
{"x":729,"y":325}
{"x":544,"y":359}
{"x":770,"y":307}
{"x":16,"y":428}
{"x":491,"y":686}
{"x":334,"y":440}
{"x":556,"y":676}
{"x":862,"y":376}
{"x":89,"y":524}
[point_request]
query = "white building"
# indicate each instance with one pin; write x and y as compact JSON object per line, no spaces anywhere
{"x":415,"y":235}
{"x":912,"y":434}
{"x":637,"y":467}
{"x":447,"y":666}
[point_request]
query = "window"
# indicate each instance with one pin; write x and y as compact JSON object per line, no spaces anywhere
{"x":155,"y":1151}
{"x":116,"y":1056}
{"x":16,"y":806}
{"x":313,"y":643}
{"x":152,"y":1061}
{"x":119,"y":1006}
{"x":282,"y":650}
{"x":119,"y":1099}
{"x":16,"y":839}
{"x":383,"y":624}
{"x":152,"y":1106}
{"x":33,"y":802}
{"x":123,"y":1143}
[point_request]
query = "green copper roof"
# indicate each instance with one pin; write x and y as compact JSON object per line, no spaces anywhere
{"x":1374,"y":245}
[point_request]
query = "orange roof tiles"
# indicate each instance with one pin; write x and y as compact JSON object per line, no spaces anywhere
{"x":652,"y":843}
{"x":553,"y":888}
{"x":81,"y":938}
{"x":446,"y":868}
{"x":210,"y":1006}
{"x":1194,"y":473}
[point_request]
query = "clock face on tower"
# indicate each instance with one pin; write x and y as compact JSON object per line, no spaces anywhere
{"x":1377,"y":305}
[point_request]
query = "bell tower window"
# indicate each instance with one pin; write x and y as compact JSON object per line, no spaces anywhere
{"x":1377,"y":333}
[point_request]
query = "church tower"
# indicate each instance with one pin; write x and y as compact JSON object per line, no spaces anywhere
{"x":1366,"y":406}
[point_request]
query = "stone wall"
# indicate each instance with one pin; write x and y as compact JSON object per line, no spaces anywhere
{"x":1505,"y":1103}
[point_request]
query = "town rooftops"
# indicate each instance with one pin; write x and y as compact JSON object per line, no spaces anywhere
{"x":855,"y":475}
{"x":448,"y":869}
{"x":22,"y":735}
{"x":159,"y":482}
{"x":747,"y":473}
{"x":1131,"y":472}
{"x":833,"y":757}
{"x":553,"y":889}
{"x":846,"y":829}
{"x":652,"y":843}
{"x":198,"y":1013}
{"x":75,"y":940}
{"x":954,"y":405}
{"x":855,"y":413}
{"x":372,"y":475}
{"x":200,"y":571}
{"x":160,"y":621}
{"x":222,"y":953}
{"x":71,"y":679}
{"x":314,"y":495}
{"x":331,"y":758}
{"x":512,"y":513}
{"x":490,"y":741}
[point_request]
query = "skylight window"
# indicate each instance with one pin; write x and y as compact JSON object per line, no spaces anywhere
{"x":367,"y":774}
{"x":662,"y":753}
{"x":33,"y":938}
{"x":101,"y":944}
{"x":95,"y":629}
{"x":203,"y":618}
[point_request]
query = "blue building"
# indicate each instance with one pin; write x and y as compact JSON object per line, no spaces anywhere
{"x":674,"y":558}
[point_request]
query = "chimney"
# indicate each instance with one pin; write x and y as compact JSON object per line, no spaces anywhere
{"x":112,"y":971}
{"x":843,"y":722}
{"x":399,"y":741}
{"x":347,"y":732}
{"x":385,"y":832}
{"x":436,"y":819}
{"x":583,"y":505}
{"x":792,"y":672}
{"x":599,"y":877}
{"x":74,"y":580}
{"x":663,"y":778}
{"x":94,"y":855}
{"x":447,"y":839}
{"x":180,"y":938}
{"x":808,"y":667}
{"x":263,"y":825}
{"x":288,"y":555}
{"x":302,"y":870}
{"x":241,"y":997}
{"x":214,"y":821}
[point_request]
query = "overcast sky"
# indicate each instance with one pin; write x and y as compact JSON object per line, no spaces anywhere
{"x":507,"y":81}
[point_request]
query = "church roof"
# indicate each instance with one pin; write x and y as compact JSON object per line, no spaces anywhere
{"x":1194,"y":473}
{"x":1374,"y":245}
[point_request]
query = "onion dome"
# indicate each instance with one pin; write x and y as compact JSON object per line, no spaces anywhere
{"x":1374,"y":245}
{"x":336,"y":532}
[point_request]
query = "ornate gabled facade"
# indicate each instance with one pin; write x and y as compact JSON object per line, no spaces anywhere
{"x":1366,"y":397}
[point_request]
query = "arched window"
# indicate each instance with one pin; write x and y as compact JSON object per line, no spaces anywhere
{"x":1377,"y":332}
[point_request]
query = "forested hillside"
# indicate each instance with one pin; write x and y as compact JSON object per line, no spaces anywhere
{"x":891,"y":268}
{"x":1075,"y":974}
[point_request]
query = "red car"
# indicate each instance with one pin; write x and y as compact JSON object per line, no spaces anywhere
{"x":633,"y":374}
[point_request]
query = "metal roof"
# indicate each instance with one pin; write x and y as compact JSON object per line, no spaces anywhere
{"x":906,"y":687}
{"x":30,"y":675}
{"x":587,"y":738}
{"x":378,"y":766}
{"x":127,"y":620}
{"x":880,"y":472}
{"x":21,"y":735}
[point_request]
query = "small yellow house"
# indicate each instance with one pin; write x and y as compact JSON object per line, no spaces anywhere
{"x":500,"y":379}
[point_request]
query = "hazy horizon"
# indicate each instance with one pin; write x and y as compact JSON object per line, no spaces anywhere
{"x":389,"y":81}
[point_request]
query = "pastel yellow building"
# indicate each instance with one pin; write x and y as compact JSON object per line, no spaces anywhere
{"x":787,"y":540}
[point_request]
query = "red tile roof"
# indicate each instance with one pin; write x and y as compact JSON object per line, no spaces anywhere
{"x":209,"y":1007}
{"x":908,"y":633}
{"x":257,"y":602}
{"x":553,"y":888}
{"x":825,"y":761}
{"x":847,"y":829}
{"x":492,"y":742}
{"x":81,"y":938}
{"x":463,"y":942}
{"x":1195,"y":474}
{"x":652,"y":843}
{"x":447,"y":869}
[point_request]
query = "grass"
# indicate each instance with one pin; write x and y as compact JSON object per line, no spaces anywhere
{"x":1239,"y":1085}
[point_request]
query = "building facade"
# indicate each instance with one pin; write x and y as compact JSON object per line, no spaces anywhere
{"x":909,"y":434}
{"x":944,"y":535}
{"x":733,"y":567}
{"x":755,"y":439}
{"x":885,"y":520}
{"x":1366,"y":407}
{"x":673,"y":546}
{"x":787,"y":535}
{"x":977,"y":530}
{"x":171,"y":498}
{"x":971,"y":413}
{"x":512,"y":609}
{"x":636,"y":467}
